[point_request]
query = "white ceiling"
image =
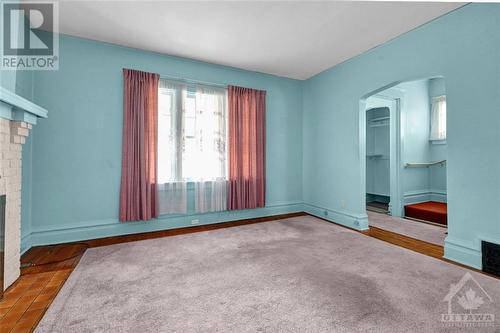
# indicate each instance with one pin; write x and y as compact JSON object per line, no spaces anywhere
{"x":290,"y":39}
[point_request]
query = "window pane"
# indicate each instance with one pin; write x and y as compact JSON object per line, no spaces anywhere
{"x":189,"y":160}
{"x":438,"y":118}
{"x":191,"y":140}
{"x":165,"y":99}
{"x":190,"y":106}
{"x":442,"y":119}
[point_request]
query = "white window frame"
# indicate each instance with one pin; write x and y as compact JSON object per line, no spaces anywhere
{"x":179,"y":99}
{"x":438,"y":126}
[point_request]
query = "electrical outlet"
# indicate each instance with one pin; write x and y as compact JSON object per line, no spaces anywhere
{"x":195,"y":221}
{"x":343,"y":204}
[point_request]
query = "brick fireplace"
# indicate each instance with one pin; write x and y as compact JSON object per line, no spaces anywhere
{"x":17,"y":116}
{"x":12,"y":137}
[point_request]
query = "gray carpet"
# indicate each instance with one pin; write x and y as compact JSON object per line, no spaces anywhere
{"x":295,"y":275}
{"x":419,"y":230}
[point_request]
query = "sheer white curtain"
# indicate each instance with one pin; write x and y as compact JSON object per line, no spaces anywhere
{"x":438,"y":118}
{"x":191,"y":146}
{"x":210,"y":171}
{"x":172,"y":198}
{"x":210,"y":196}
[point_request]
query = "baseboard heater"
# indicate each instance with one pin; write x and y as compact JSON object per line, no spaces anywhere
{"x":491,"y":258}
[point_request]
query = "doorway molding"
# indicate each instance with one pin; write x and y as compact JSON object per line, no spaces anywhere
{"x":390,"y":92}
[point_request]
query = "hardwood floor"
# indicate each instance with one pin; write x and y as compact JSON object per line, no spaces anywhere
{"x":413,"y":244}
{"x":52,"y":258}
{"x":48,"y":267}
{"x":26,"y":301}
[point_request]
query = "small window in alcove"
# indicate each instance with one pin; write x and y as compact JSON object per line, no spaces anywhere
{"x":438,"y":118}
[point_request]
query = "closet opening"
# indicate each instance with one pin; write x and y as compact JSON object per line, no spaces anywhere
{"x":378,"y":195}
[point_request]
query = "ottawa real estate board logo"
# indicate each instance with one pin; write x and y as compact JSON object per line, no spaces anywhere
{"x":29,"y":35}
{"x":469,"y":305}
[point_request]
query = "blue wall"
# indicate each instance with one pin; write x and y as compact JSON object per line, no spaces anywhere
{"x":8,"y":80}
{"x":415,"y":116}
{"x":77,"y":152}
{"x":463,"y":47}
{"x":20,"y":82}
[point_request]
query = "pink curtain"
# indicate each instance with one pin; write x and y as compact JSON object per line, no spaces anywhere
{"x":138,"y":193}
{"x":247,"y":142}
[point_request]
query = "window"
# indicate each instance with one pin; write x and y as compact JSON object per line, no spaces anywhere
{"x":191,"y":132}
{"x":438,"y":119}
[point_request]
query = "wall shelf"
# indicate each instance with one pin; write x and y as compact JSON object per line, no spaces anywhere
{"x":379,"y":122}
{"x":377,"y":156}
{"x":379,"y":125}
{"x":380,"y":119}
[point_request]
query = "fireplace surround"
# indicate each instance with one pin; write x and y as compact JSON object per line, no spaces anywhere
{"x":17,"y":116}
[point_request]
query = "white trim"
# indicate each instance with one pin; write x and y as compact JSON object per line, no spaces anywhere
{"x":462,"y":252}
{"x":345,"y":218}
{"x":411,"y":197}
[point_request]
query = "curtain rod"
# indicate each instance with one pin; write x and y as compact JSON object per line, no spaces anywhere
{"x":184,"y":80}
